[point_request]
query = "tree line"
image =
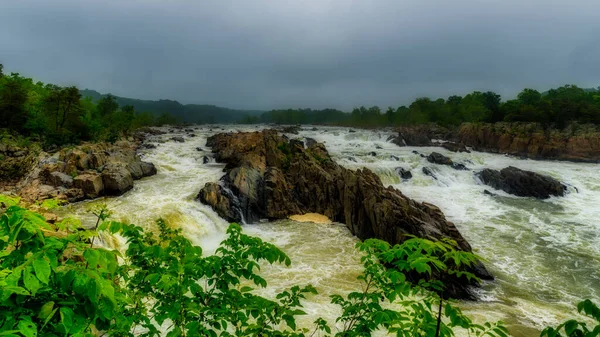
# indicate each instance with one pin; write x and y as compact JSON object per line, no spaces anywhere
{"x":59,"y":115}
{"x":553,"y":108}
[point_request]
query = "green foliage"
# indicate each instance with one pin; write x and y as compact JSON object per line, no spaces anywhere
{"x":574,"y":328}
{"x":60,"y":115}
{"x":55,"y":282}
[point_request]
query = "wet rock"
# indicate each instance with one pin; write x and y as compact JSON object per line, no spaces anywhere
{"x":378,"y":147}
{"x":199,"y":149}
{"x":394,"y":158}
{"x":90,"y":184}
{"x":486,"y":192}
{"x":522,"y":183}
{"x":351,"y":131}
{"x":455,"y":147}
{"x":116,"y":179}
{"x":293,"y":129}
{"x":440,"y":159}
{"x":269,"y":177}
{"x":191,"y":135}
{"x":414,"y":136}
{"x":178,"y":139}
{"x":372,"y":153}
{"x":140,"y":169}
{"x":396,"y":140}
{"x":405,"y":174}
{"x":189,"y":130}
{"x":147,"y":146}
{"x":460,"y":167}
{"x":352,"y":159}
{"x":205,"y":159}
{"x":415,"y":152}
{"x":310,"y":142}
{"x":428,"y":172}
{"x":314,"y":129}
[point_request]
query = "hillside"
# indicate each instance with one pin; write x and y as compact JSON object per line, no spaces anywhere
{"x":189,"y":113}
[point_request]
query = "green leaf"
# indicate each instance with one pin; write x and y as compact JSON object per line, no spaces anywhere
{"x":46,"y":310}
{"x":27,"y":328}
{"x":66,"y":318}
{"x":31,"y":282}
{"x":92,"y":256}
{"x":42,"y":269}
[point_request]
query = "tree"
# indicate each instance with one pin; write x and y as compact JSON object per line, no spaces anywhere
{"x":62,"y":107}
{"x":107,"y":106}
{"x":13,"y":97}
{"x":1,"y":69}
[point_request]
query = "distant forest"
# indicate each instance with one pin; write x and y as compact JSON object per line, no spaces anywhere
{"x":555,"y":107}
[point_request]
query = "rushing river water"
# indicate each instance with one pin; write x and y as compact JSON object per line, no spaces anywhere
{"x":545,"y":255}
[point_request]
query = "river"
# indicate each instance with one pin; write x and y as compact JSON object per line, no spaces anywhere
{"x":545,"y":255}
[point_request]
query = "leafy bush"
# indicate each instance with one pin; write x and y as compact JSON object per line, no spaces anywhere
{"x":55,"y":282}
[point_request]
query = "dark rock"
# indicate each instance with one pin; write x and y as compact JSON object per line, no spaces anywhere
{"x":293,"y":129}
{"x":378,"y":147}
{"x":422,"y":155}
{"x":310,"y":142}
{"x":440,"y":159}
{"x":394,"y":158}
{"x":147,"y":146}
{"x":522,"y":183}
{"x":314,"y":129}
{"x":396,"y":140}
{"x":372,"y":153}
{"x":428,"y":172}
{"x":405,"y":174}
{"x":415,"y":152}
{"x":199,"y":149}
{"x":352,"y":159}
{"x":191,"y":135}
{"x":455,"y":147}
{"x":178,"y":139}
{"x":351,"y":131}
{"x":189,"y":130}
{"x":460,"y":167}
{"x":205,"y":160}
{"x":486,"y":192}
{"x":268,"y":177}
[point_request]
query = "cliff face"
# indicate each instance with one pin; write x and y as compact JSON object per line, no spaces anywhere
{"x":576,"y":143}
{"x":269,"y":176}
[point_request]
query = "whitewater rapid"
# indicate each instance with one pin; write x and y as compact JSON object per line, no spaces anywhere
{"x":545,"y":255}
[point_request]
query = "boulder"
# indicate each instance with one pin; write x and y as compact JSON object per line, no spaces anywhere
{"x":91,"y":184}
{"x":205,"y":159}
{"x":460,"y":167}
{"x":269,"y":177}
{"x":140,"y":169}
{"x":440,"y":159}
{"x":310,"y":142}
{"x":372,"y":153}
{"x":455,"y":147}
{"x":178,"y":139}
{"x":396,"y":140}
{"x":61,"y":179}
{"x":522,"y":183}
{"x":117,"y":179}
{"x":293,"y":129}
{"x":396,"y":158}
{"x":428,"y":172}
{"x":405,"y":174}
{"x":199,"y":149}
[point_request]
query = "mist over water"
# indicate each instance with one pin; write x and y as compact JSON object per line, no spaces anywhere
{"x":545,"y":255}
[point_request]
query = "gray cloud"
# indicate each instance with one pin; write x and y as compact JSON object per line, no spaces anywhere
{"x":266,"y":54}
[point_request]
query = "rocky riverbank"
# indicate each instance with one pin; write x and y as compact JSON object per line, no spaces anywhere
{"x":86,"y":171}
{"x":580,"y":143}
{"x":269,"y":176}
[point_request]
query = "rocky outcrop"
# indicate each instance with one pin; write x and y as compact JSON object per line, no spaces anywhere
{"x":454,"y":147}
{"x":269,"y":177}
{"x":15,"y":160}
{"x":440,"y":159}
{"x":85,"y":172}
{"x":403,"y":173}
{"x":575,"y":143}
{"x":522,"y":183}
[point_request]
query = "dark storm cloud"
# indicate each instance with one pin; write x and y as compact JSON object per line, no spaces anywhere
{"x":265,"y":54}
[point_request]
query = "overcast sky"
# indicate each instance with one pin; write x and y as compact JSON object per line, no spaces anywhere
{"x":264,"y":54}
